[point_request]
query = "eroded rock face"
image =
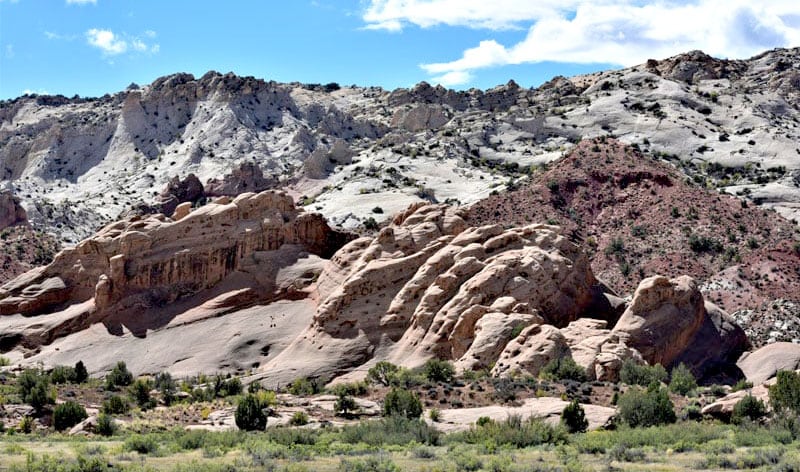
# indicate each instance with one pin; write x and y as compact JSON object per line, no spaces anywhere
{"x":139,"y":263}
{"x":248,"y":177}
{"x":11,"y":212}
{"x":763,"y":364}
{"x":426,"y":286}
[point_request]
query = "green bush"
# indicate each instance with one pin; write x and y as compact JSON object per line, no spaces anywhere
{"x":140,"y":391}
{"x":115,"y":405}
{"x":513,"y":431}
{"x":649,"y":407}
{"x":742,"y":384}
{"x":682,"y":381}
{"x":166,"y":387}
{"x":574,"y":418}
{"x":81,"y":374}
{"x":400,"y":402}
{"x":355,"y":389}
{"x":345,"y":405}
{"x":370,"y":464}
{"x":299,"y":418}
{"x":62,"y":374}
{"x":785,"y":393}
{"x":34,"y":388}
{"x":105,"y":425}
{"x":250,"y":415}
{"x":67,"y":415}
{"x":382,"y":373}
{"x":563,"y":368}
{"x":304,"y":386}
{"x":394,"y":430}
{"x":143,"y":444}
{"x":119,"y":376}
{"x":437,"y":370}
{"x":748,"y":408}
{"x":636,"y":374}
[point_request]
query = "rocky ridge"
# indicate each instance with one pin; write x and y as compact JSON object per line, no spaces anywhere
{"x":79,"y":163}
{"x":428,"y":285}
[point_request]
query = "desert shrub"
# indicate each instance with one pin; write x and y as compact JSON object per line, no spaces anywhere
{"x":435,"y":415}
{"x":748,"y":408}
{"x":299,"y":418}
{"x":34,"y":388}
{"x":140,"y":391}
{"x":115,"y":405}
{"x":166,"y":387}
{"x":407,"y":378}
{"x":400,"y":402}
{"x":345,"y":405}
{"x":369,"y":464}
{"x":437,"y":370}
{"x":304,"y":386}
{"x":119,"y":376}
{"x":649,"y":407}
{"x":742,"y":384}
{"x":382,"y":373}
{"x":105,"y":425}
{"x":563,"y":368}
{"x":623,"y":453}
{"x":682,"y":381}
{"x":513,"y":431}
{"x":81,"y":374}
{"x":574,"y":418}
{"x":26,"y":424}
{"x":636,"y":374}
{"x":141,"y":443}
{"x":62,"y":374}
{"x":250,"y":415}
{"x":394,"y":430}
{"x":785,"y":393}
{"x":67,"y":415}
{"x":355,"y":389}
{"x":225,"y":387}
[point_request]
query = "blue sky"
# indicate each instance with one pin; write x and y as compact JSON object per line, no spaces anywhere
{"x":90,"y":47}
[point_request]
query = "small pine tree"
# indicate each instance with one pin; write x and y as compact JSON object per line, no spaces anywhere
{"x":250,"y":415}
{"x":119,"y":376}
{"x":785,"y":393}
{"x":682,"y":381}
{"x":401,"y":402}
{"x":748,"y":408}
{"x":574,"y":418}
{"x":437,"y":370}
{"x":67,"y":415}
{"x":81,"y":374}
{"x":105,"y":425}
{"x":140,"y":391}
{"x":345,"y":405}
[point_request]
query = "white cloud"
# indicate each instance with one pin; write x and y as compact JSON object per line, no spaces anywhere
{"x":113,"y":44}
{"x":81,"y":2}
{"x":622,"y":32}
{"x":35,"y":92}
{"x":106,"y":41}
{"x":497,"y":14}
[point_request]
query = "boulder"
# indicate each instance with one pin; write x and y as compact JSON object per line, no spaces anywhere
{"x":11,"y":212}
{"x":663,"y":318}
{"x":763,"y":364}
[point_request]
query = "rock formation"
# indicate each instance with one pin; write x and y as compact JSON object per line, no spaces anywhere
{"x":143,"y":263}
{"x":11,"y":212}
{"x":427,"y":286}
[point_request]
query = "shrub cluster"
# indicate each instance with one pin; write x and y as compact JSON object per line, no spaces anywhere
{"x":633,"y":373}
{"x":649,"y":407}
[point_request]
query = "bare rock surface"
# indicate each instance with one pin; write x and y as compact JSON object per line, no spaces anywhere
{"x":764,"y":363}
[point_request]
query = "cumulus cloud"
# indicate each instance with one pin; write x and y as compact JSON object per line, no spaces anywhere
{"x":622,"y":32}
{"x":112,"y":44}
